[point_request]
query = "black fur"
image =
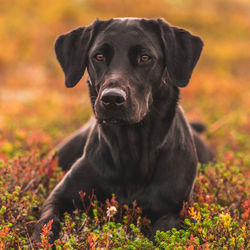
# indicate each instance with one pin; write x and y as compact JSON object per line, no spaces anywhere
{"x":138,"y":145}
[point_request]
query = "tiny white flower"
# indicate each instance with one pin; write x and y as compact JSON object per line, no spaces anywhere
{"x":111,"y":211}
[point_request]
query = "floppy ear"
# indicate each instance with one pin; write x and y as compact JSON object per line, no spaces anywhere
{"x":72,"y":53}
{"x":182,"y":51}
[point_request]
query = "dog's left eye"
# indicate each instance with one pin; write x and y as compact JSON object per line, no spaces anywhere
{"x":144,"y":58}
{"x":99,"y":57}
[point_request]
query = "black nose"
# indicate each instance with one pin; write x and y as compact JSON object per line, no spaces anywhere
{"x":113,"y":97}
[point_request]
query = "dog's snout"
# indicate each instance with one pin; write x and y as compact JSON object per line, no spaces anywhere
{"x":113,"y":97}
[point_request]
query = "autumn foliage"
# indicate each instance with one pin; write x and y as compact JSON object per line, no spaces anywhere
{"x":37,"y":112}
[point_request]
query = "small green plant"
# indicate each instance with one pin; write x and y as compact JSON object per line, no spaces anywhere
{"x":217,"y":217}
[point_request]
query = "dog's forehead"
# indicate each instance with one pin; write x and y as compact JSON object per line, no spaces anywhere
{"x":125,"y":30}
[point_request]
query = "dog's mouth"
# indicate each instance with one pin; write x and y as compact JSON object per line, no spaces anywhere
{"x":113,"y":121}
{"x":110,"y":121}
{"x":121,"y":121}
{"x":115,"y":107}
{"x":116,"y":118}
{"x":125,"y":116}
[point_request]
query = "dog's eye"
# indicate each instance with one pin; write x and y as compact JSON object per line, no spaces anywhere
{"x":99,"y":57}
{"x":144,"y":58}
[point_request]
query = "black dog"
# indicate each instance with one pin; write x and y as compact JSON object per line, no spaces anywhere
{"x":139,"y":145}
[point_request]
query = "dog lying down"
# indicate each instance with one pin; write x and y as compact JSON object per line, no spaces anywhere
{"x":139,"y":144}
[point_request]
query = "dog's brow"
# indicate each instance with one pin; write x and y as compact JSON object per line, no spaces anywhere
{"x":100,"y":46}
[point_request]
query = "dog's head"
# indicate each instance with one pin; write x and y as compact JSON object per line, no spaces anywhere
{"x":128,"y":60}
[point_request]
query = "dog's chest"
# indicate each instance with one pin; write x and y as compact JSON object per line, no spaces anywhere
{"x":128,"y":193}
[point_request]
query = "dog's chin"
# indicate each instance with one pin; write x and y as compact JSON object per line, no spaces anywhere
{"x":110,"y":122}
{"x":120,"y":121}
{"x":113,"y":121}
{"x":117,"y":121}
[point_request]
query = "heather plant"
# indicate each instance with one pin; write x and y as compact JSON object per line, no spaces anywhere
{"x":208,"y":220}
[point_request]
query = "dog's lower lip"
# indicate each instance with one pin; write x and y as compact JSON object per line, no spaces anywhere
{"x":108,"y":121}
{"x":112,"y":121}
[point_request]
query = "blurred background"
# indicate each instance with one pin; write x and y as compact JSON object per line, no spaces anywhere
{"x":37,"y":111}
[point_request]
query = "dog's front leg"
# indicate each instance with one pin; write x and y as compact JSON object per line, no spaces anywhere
{"x":80,"y":178}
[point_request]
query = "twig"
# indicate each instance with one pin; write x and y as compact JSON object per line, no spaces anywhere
{"x":220,"y":123}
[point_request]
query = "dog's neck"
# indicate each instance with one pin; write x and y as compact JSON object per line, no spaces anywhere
{"x":136,"y":146}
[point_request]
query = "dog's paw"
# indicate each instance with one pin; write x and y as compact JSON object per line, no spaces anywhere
{"x":39,"y":229}
{"x":165,"y":223}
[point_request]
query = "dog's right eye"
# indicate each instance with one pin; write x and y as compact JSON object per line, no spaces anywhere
{"x":143,"y":59}
{"x":99,"y":57}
